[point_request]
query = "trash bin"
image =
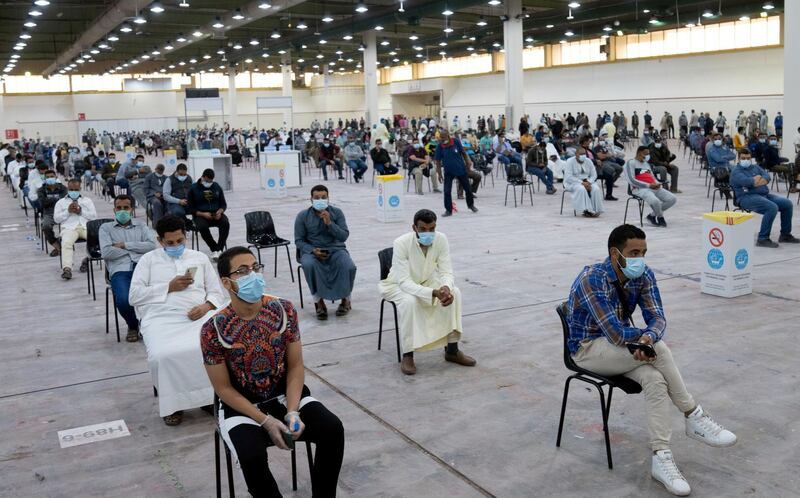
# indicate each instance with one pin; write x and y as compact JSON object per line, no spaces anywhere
{"x":273,"y":179}
{"x":727,"y":254}
{"x":170,"y":161}
{"x":390,"y":198}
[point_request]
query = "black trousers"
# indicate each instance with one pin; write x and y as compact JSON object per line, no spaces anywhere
{"x":250,"y":443}
{"x":204,"y":227}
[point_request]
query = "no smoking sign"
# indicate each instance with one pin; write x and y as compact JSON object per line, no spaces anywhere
{"x":715,"y":237}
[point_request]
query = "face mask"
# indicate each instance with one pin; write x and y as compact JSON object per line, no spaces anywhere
{"x":717,"y":142}
{"x":112,"y":159}
{"x":658,"y":145}
{"x":159,"y":175}
{"x":762,"y":140}
{"x":31,"y":165}
{"x":140,"y":163}
{"x":426,"y":238}
{"x":634,"y":267}
{"x":250,"y":287}
{"x":207,"y":184}
{"x":547,"y":140}
{"x":50,"y":181}
{"x":647,"y":158}
{"x":123,"y":217}
{"x":319,"y":204}
{"x":175,"y":251}
{"x":181,"y":178}
{"x":745,"y":163}
{"x":773,"y":142}
{"x":73,"y":194}
{"x":580,"y":158}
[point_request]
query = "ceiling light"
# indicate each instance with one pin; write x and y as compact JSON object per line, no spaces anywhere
{"x":393,"y":52}
{"x":139,"y":20}
{"x":265,"y":55}
{"x":103,"y":45}
{"x":347,"y":37}
{"x":145,"y":56}
{"x":690,"y":25}
{"x":180,"y":38}
{"x":322,"y":41}
{"x":30,"y":23}
{"x":168,"y":46}
{"x":768,"y":6}
{"x":125,"y":28}
{"x":218,"y":24}
{"x":447,"y":12}
{"x":443,"y":44}
{"x":300,"y":60}
{"x":172,"y":66}
{"x":549,"y":26}
{"x":192,"y":61}
{"x":183,"y":3}
{"x":607,"y":28}
{"x":237,"y":14}
{"x":470,"y":49}
{"x":264,"y":5}
{"x":349,"y":60}
{"x":707,"y":13}
{"x":18,"y":48}
{"x":73,"y":65}
{"x":81,"y":61}
{"x":156,"y":52}
{"x":529,"y":39}
{"x":237,"y":46}
{"x":562,"y":41}
{"x":181,"y":63}
{"x":570,"y":16}
{"x":320,"y":56}
{"x":95,"y":51}
{"x":361,"y":7}
{"x":620,"y":32}
{"x":763,"y":13}
{"x":417,"y":48}
{"x":413,"y":36}
{"x":448,"y":29}
{"x":156,"y":7}
{"x":471,"y":38}
{"x":34,"y":12}
{"x":569,"y":33}
{"x":42,"y":3}
{"x":496,"y":44}
{"x":744,"y":18}
{"x":395,"y":60}
{"x":646,"y":11}
{"x":301,"y":24}
{"x":385,"y":42}
{"x":442,"y":53}
{"x":378,"y":28}
{"x":254,"y":42}
{"x":220,"y":52}
{"x":573,"y":5}
{"x":270,"y":66}
{"x":339,"y":51}
{"x":481,"y":22}
{"x":653,"y":20}
{"x":275,"y":35}
{"x":197,"y":33}
{"x":327,"y":18}
{"x":282,"y":52}
{"x":361,"y":48}
{"x":25,"y":35}
{"x":494,"y":3}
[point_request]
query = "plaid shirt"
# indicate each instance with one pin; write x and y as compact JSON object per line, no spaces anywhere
{"x":595,"y":310}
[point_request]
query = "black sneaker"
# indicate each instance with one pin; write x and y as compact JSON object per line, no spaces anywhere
{"x":653,"y":221}
{"x":610,"y":198}
{"x":789,"y":239}
{"x":766,"y":243}
{"x":446,"y":214}
{"x":473,"y":209}
{"x":662,"y":222}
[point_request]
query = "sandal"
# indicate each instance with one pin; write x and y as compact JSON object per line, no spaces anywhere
{"x":54,"y":253}
{"x":344,"y":308}
{"x":322,"y":311}
{"x":84,"y":266}
{"x":174,"y":419}
{"x":66,"y":274}
{"x":132,"y":336}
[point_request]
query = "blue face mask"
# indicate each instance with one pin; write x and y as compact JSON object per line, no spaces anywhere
{"x":250,"y":287}
{"x":207,"y":184}
{"x":123,"y":217}
{"x":634,"y":267}
{"x":319,"y":204}
{"x":426,"y":238}
{"x":175,"y":251}
{"x":717,"y":142}
{"x":73,"y":194}
{"x":50,"y":181}
{"x":181,"y":178}
{"x":647,"y":158}
{"x":773,"y":142}
{"x":745,"y":163}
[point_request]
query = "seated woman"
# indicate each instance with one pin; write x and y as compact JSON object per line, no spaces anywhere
{"x":254,"y":359}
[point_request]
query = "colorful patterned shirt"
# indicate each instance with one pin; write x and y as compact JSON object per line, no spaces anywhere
{"x":595,"y":310}
{"x":254,"y":350}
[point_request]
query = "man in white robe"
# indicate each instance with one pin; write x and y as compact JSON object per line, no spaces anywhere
{"x":580,"y":179}
{"x":422,"y":287}
{"x":554,"y":162}
{"x":175,"y":290}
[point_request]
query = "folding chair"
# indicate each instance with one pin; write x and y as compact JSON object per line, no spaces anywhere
{"x":641,"y":203}
{"x":261,"y":235}
{"x":385,"y":259}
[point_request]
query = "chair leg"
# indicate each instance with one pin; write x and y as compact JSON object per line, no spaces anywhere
{"x":289,"y":259}
{"x":116,"y":316}
{"x":276,"y":262}
{"x":216,"y":465}
{"x":294,"y":470}
{"x":563,"y":194}
{"x":380,"y":325}
{"x":258,"y":251}
{"x":91,"y":278}
{"x":506,"y":201}
{"x":107,"y":327}
{"x":300,"y":286}
{"x":563,"y":410}
{"x":310,"y":456}
{"x":603,"y":408}
{"x":231,"y":491}
{"x":396,"y":330}
{"x":625,"y":218}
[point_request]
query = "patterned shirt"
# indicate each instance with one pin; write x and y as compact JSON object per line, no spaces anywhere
{"x":254,"y":350}
{"x":595,"y":309}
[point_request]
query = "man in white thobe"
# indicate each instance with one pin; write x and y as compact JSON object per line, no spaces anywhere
{"x":580,"y":177}
{"x":175,"y":290}
{"x":554,"y":162}
{"x":421,"y":285}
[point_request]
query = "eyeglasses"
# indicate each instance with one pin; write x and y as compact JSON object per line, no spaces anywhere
{"x":244,"y":271}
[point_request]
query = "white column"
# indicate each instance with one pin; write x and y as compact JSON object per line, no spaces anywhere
{"x":286,"y":71}
{"x":791,"y":76}
{"x":232,"y":111}
{"x":512,"y":43}
{"x":370,"y":79}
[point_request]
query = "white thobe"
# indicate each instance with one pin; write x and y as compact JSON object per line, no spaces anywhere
{"x":574,"y":174}
{"x":172,"y":339}
{"x":557,"y":166}
{"x":424,"y":323}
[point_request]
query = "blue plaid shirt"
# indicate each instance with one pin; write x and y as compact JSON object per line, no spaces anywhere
{"x":594,"y":308}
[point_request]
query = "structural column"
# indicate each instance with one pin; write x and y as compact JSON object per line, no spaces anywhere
{"x":286,"y":72}
{"x":512,"y":43}
{"x":791,"y":76}
{"x":233,"y":112}
{"x":370,"y":79}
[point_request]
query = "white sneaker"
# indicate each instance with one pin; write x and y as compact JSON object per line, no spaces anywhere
{"x":666,"y":472}
{"x":700,"y":426}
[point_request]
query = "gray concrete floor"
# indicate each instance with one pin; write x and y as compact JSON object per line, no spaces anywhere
{"x":488,"y":430}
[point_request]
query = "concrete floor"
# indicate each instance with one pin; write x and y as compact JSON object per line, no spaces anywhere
{"x":488,"y":430}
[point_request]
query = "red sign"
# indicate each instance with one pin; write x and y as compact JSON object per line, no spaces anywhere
{"x":715,"y":237}
{"x":12,"y":134}
{"x":81,"y":116}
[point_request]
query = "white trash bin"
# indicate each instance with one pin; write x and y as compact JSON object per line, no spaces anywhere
{"x":390,"y":198}
{"x":727,"y":254}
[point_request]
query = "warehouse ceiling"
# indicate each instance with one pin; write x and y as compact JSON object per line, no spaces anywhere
{"x":188,"y":36}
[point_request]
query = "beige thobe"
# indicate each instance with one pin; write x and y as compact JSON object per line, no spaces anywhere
{"x":424,"y":323}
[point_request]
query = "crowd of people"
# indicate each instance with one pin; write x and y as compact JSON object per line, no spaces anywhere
{"x":169,"y":295}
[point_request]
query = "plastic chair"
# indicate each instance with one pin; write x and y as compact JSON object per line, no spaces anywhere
{"x":563,"y":194}
{"x":385,"y":259}
{"x":229,"y":465}
{"x":261,"y":235}
{"x":522,"y":184}
{"x":598,"y":381}
{"x":632,"y":197}
{"x":93,"y":251}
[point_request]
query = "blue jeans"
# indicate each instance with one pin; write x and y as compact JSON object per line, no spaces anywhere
{"x":358,"y":166}
{"x":514,"y":157}
{"x":463,"y":180}
{"x":768,"y":206}
{"x":124,"y":184}
{"x":121,"y":285}
{"x":543,"y":174}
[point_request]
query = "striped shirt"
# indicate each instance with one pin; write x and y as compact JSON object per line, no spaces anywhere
{"x":595,"y":309}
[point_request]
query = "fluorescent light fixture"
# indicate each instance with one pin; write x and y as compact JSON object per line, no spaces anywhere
{"x":481,"y":22}
{"x":443,"y":44}
{"x":126,"y":28}
{"x":34,"y":12}
{"x":448,"y":29}
{"x":237,"y":46}
{"x":573,"y":5}
{"x":181,"y":63}
{"x":607,"y":28}
{"x":395,"y":60}
{"x":192,"y":61}
{"x":442,"y":53}
{"x":470,"y":49}
{"x":569,"y":32}
{"x":218,"y":24}
{"x":265,"y":55}
{"x":529,"y":39}
{"x":496,"y":44}
{"x":94,"y":51}
{"x":81,"y":61}
{"x":156,"y":52}
{"x":139,"y":20}
{"x":322,"y":41}
{"x":549,"y":26}
{"x":327,"y":18}
{"x":197,"y":33}
{"x":15,"y":56}
{"x":707,"y":13}
{"x":220,"y":52}
{"x":417,"y":48}
{"x":361,"y":7}
{"x":494,"y":3}
{"x":275,"y":35}
{"x":25,"y":35}
{"x":112,"y":37}
{"x":646,"y":11}
{"x":156,"y":7}
{"x":168,"y":46}
{"x":282,"y":52}
{"x":768,"y":6}
{"x":42,"y":3}
{"x":145,"y":56}
{"x":254,"y":42}
{"x":447,"y":12}
{"x":413,"y":36}
{"x":180,"y":38}
{"x":339,"y":51}
{"x":103,"y":45}
{"x":264,"y":5}
{"x":385,"y":42}
{"x":237,"y":14}
{"x":172,"y":66}
{"x":393,"y":52}
{"x":347,"y":37}
{"x":320,"y":56}
{"x":301,"y":24}
{"x":30,"y":23}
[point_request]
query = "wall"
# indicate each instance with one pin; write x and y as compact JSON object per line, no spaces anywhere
{"x":749,"y":79}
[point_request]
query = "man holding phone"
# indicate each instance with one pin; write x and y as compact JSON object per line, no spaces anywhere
{"x":604,"y":340}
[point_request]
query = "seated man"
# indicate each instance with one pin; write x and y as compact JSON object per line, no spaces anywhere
{"x":329,"y":156}
{"x":770,"y":159}
{"x":536,"y":165}
{"x":253,"y":402}
{"x":419,"y":165}
{"x":644,"y":185}
{"x":505,"y":153}
{"x":154,"y":192}
{"x":49,"y":194}
{"x":422,"y":286}
{"x":174,"y":291}
{"x":36,"y":180}
{"x":554,"y":161}
{"x":750,"y":183}
{"x":176,"y":190}
{"x":661,"y":158}
{"x":718,"y":154}
{"x":472,"y":174}
{"x":381,"y":160}
{"x":580,"y":179}
{"x":354,"y":157}
{"x":73,"y":213}
{"x":108,"y":173}
{"x":606,"y":166}
{"x":320,"y":233}
{"x":207,"y":206}
{"x":122,"y":244}
{"x":601,"y":303}
{"x":128,"y":170}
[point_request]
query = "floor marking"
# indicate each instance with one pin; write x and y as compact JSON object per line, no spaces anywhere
{"x":92,"y":433}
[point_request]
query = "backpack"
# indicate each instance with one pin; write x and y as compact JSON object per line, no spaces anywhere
{"x":514,"y":172}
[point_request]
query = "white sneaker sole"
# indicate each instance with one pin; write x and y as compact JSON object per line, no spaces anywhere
{"x":691,"y":435}
{"x":670,"y":490}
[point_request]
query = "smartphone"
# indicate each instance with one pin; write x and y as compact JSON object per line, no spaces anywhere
{"x":191,"y":271}
{"x":647,"y":349}
{"x":288,"y":439}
